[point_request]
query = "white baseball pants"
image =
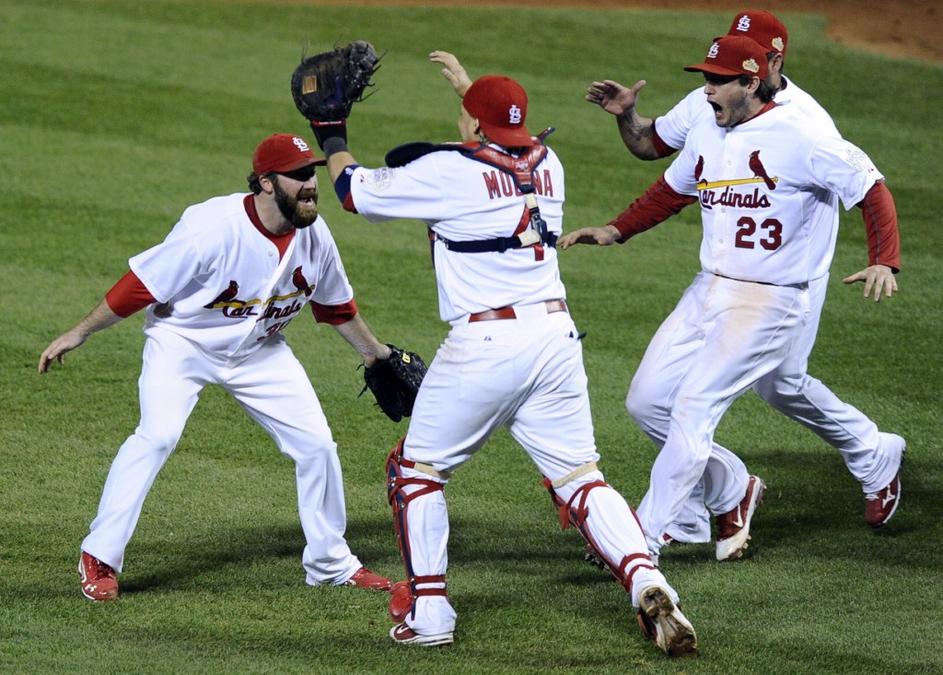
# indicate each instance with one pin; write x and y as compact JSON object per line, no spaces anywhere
{"x":526,"y":374}
{"x":271,"y":385}
{"x":792,"y":391}
{"x":787,"y":387}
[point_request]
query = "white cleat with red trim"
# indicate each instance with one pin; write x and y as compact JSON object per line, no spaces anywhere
{"x":405,"y":635}
{"x":733,"y":527}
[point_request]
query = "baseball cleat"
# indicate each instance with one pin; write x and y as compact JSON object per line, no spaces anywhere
{"x":364,"y":578}
{"x":98,"y":581}
{"x":663,"y":623}
{"x":733,"y":527}
{"x":404,"y":635}
{"x":880,"y":506}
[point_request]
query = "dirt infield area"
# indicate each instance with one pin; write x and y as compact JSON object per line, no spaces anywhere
{"x":902,"y":28}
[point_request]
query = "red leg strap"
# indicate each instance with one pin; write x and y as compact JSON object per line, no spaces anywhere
{"x":402,"y":603}
{"x":569,"y":515}
{"x":577,"y":515}
{"x":580,"y":512}
{"x":626,"y":579}
{"x":429,"y":579}
{"x":420,"y":592}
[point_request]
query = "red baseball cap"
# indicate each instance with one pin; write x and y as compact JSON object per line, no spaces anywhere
{"x":732,"y":55}
{"x":763,"y":27}
{"x":500,"y":105}
{"x":283,"y":152}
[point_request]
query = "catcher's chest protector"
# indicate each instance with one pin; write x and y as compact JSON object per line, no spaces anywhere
{"x":531,"y":231}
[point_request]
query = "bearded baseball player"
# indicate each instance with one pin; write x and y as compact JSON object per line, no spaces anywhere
{"x":648,"y":138}
{"x":768,"y":185}
{"x":513,"y":358}
{"x":219,"y":291}
{"x":788,"y":388}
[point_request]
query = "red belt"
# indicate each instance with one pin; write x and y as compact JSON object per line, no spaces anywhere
{"x":509,"y":313}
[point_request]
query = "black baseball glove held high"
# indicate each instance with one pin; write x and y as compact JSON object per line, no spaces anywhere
{"x":326,"y":85}
{"x":395,"y":382}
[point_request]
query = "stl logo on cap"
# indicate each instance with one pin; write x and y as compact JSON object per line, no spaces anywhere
{"x":761,"y":26}
{"x":514,"y":114}
{"x":713,"y":51}
{"x":300,"y":144}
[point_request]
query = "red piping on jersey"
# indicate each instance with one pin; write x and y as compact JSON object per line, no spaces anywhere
{"x":880,"y":221}
{"x":128,"y":295}
{"x":766,"y":108}
{"x":281,"y":241}
{"x":334,"y":314}
{"x":658,"y":204}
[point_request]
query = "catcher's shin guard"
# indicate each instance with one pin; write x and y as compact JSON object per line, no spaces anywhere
{"x":404,"y":593}
{"x":575,"y":512}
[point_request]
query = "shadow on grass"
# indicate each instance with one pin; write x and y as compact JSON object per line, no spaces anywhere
{"x":812,"y":510}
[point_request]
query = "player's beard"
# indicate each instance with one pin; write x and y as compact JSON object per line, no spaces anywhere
{"x":735,"y":112}
{"x":298,"y":214}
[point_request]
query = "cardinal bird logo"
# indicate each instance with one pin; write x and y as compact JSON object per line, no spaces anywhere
{"x":699,"y":168}
{"x":298,"y":279}
{"x":225,"y":297}
{"x":756,"y":166}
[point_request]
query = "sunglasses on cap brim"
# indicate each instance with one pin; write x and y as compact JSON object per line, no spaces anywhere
{"x":713,"y":78}
{"x":301,"y":175}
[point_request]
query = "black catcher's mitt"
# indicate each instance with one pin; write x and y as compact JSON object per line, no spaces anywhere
{"x":395,"y":382}
{"x":326,"y":85}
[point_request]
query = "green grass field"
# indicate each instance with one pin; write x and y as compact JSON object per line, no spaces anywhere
{"x":117,"y":114}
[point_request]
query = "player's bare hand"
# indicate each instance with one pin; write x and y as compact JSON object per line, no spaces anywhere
{"x":613,"y":97}
{"x":453,"y":71}
{"x":58,"y":348}
{"x":879,"y":281}
{"x":598,"y":236}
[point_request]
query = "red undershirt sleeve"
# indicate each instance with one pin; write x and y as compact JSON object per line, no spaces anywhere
{"x":880,"y":221}
{"x":128,"y":295}
{"x":659,"y":203}
{"x":662,"y":148}
{"x":334,"y":314}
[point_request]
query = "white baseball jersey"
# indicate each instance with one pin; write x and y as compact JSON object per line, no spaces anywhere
{"x":463,"y":200}
{"x":673,"y":126}
{"x":226,"y":288}
{"x":768,"y":190}
{"x":223,"y":297}
{"x":523,"y":372}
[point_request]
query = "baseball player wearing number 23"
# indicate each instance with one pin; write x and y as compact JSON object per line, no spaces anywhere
{"x":219,"y":290}
{"x":768,"y":185}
